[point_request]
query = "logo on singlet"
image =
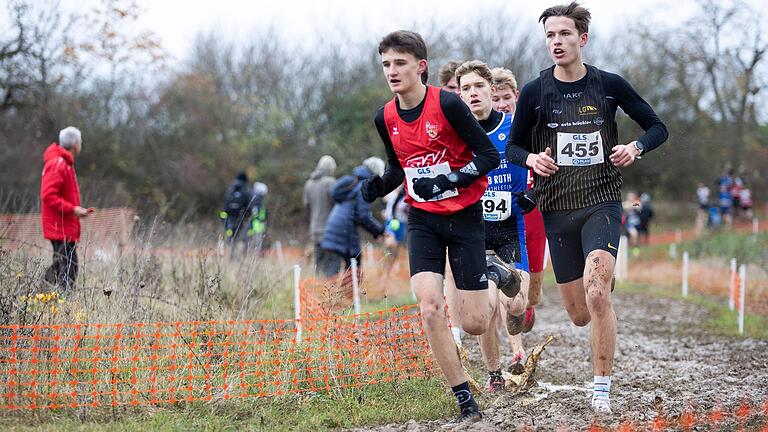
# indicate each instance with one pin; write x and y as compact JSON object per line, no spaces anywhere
{"x":553,"y":125}
{"x":587,"y":110}
{"x":598,"y":121}
{"x":394,"y":131}
{"x":426,"y":160}
{"x":431,"y":130}
{"x":557,"y":111}
{"x":575,"y":95}
{"x":502,"y":136}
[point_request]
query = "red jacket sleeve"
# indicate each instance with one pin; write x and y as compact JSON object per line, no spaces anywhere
{"x":50,"y":188}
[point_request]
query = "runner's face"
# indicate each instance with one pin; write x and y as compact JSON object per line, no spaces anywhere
{"x":452,"y":86}
{"x":505,"y":100}
{"x":402,"y":70}
{"x":563,"y":40}
{"x":476,"y":93}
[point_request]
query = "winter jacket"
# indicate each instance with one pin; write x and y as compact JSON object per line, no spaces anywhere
{"x":59,"y":195}
{"x":317,"y":196}
{"x":350,"y":211}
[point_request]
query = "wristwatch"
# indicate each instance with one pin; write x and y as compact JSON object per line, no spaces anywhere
{"x":640,"y":148}
{"x":453,"y":177}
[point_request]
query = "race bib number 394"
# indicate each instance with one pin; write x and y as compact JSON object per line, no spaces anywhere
{"x":497,"y":205}
{"x":579,"y":149}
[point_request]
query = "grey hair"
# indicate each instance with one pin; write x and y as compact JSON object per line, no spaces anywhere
{"x":70,"y":137}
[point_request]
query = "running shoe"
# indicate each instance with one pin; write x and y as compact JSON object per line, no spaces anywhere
{"x":530,"y":319}
{"x":470,"y":414}
{"x":508,"y":278}
{"x":517,"y":367}
{"x":601,"y":406}
{"x":495,"y":383}
{"x":515,"y":323}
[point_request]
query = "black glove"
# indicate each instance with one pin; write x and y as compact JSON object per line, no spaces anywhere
{"x":372,"y":188}
{"x":526,"y":201}
{"x":428,"y":188}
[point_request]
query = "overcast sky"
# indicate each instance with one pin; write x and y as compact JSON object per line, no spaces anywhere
{"x":177,"y":22}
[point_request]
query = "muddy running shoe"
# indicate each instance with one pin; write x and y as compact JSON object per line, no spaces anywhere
{"x":495,"y":382}
{"x":515,"y":323}
{"x":517,"y":367}
{"x":470,"y":414}
{"x":530,"y":319}
{"x":601,"y":406}
{"x":507,"y":279}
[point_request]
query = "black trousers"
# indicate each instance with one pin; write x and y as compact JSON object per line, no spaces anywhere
{"x":63,"y":270}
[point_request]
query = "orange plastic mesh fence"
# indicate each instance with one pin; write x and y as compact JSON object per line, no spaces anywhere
{"x":92,"y":365}
{"x":101,"y":232}
{"x":322,"y":298}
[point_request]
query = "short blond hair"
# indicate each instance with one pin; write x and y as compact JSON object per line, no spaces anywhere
{"x":475,"y":66}
{"x":503,"y":77}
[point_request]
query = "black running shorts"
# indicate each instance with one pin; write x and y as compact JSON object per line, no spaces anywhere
{"x":463,"y":233}
{"x":573,"y":234}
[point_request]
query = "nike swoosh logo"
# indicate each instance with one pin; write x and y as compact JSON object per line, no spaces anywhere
{"x":610,"y":246}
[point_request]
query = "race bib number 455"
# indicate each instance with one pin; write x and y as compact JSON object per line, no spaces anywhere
{"x":580,"y":149}
{"x":428,"y":172}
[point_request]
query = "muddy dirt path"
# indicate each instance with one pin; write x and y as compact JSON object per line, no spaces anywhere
{"x":663,"y":355}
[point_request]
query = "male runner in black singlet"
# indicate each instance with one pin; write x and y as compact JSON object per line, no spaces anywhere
{"x":565,"y":130}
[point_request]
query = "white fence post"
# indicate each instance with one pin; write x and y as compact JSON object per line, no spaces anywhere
{"x":685,"y":274}
{"x":355,"y":287}
{"x":732,"y":286}
{"x":279,"y":251}
{"x":673,"y":251}
{"x":678,"y":235}
{"x":546,"y":255}
{"x":742,"y":296}
{"x":369,"y":258}
{"x":297,"y":299}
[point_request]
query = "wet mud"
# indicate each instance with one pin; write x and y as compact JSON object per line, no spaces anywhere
{"x":665,"y":360}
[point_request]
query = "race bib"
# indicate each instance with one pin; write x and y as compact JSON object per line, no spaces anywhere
{"x":579,"y":149}
{"x":497,"y":205}
{"x":428,"y":172}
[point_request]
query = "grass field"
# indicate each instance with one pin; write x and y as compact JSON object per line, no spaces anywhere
{"x":376,"y":404}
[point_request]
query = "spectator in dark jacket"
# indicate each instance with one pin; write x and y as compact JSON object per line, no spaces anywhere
{"x":237,"y":212}
{"x":646,"y":215}
{"x":60,"y":206}
{"x":341,"y":242}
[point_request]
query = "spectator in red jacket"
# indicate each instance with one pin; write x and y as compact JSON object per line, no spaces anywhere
{"x":60,"y":206}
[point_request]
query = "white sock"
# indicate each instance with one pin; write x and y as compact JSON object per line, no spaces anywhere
{"x":456,"y":335}
{"x":602,"y":387}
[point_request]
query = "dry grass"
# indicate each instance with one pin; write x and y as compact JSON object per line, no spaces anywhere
{"x":709,"y":276}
